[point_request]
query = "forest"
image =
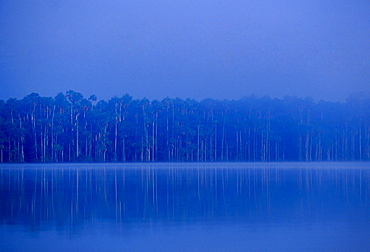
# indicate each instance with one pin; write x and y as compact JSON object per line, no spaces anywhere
{"x":71,"y":128}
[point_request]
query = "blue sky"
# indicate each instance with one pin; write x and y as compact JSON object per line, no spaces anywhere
{"x":198,"y":49}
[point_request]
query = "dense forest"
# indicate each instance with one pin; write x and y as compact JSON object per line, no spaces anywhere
{"x":71,"y":128}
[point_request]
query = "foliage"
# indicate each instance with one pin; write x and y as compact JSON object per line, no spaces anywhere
{"x":70,"y":128}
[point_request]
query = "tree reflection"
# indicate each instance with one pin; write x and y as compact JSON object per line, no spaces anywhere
{"x":71,"y":198}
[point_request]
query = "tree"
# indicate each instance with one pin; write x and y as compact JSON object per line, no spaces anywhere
{"x":70,"y":128}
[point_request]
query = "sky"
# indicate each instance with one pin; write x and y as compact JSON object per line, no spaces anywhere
{"x":220,"y":49}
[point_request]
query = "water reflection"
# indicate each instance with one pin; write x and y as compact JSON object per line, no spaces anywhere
{"x":73,"y":198}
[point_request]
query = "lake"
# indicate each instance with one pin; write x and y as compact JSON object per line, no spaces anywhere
{"x":185,"y":207}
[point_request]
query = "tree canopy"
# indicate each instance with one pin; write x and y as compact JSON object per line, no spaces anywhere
{"x":71,"y":128}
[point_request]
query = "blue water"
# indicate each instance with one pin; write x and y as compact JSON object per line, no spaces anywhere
{"x":185,"y":207}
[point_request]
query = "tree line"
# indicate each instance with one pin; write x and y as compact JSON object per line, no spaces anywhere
{"x":71,"y":128}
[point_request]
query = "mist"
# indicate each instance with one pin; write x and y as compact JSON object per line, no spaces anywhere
{"x":186,"y":49}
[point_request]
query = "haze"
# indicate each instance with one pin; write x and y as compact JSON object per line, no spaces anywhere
{"x":197,"y":49}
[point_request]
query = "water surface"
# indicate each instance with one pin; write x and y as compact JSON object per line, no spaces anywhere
{"x":185,"y":207}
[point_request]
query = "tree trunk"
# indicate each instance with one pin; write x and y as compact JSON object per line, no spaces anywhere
{"x":123,"y":149}
{"x":115,"y":139}
{"x":198,"y":144}
{"x":77,"y":137}
{"x":307,"y":147}
{"x":360,"y":142}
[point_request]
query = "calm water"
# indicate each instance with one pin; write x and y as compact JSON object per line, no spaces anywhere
{"x":185,"y":207}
